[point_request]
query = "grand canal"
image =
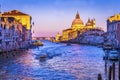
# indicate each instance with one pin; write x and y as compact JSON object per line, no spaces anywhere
{"x":74,"y":62}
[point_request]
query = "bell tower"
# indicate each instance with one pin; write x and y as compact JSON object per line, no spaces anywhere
{"x":94,"y":23}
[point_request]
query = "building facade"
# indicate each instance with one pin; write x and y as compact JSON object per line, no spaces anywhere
{"x":58,"y":38}
{"x":113,"y":30}
{"x":23,"y":18}
{"x":13,"y":33}
{"x":93,"y":37}
{"x":65,"y":34}
{"x":77,"y":28}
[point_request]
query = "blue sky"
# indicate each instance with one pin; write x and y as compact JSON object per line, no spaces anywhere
{"x":53,"y":16}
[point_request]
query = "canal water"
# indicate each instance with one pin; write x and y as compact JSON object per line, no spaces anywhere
{"x":74,"y":62}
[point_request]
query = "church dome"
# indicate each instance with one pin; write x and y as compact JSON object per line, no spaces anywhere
{"x":77,"y":20}
{"x":89,"y":23}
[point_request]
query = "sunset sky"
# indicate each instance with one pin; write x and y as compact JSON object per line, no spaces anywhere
{"x":53,"y":16}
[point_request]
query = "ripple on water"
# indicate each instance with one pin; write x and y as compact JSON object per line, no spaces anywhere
{"x":75,"y":62}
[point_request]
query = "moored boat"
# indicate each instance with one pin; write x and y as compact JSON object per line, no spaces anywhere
{"x":113,"y":55}
{"x":107,"y":46}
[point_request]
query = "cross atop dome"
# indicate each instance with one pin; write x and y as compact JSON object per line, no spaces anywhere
{"x":77,"y":20}
{"x":89,"y":20}
{"x":77,"y":15}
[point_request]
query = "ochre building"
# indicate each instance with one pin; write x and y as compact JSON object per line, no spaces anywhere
{"x":23,"y":18}
{"x":115,"y":17}
{"x":58,"y":38}
{"x":77,"y":28}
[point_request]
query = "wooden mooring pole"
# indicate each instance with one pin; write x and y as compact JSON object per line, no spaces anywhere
{"x":2,"y":52}
{"x":109,"y":74}
{"x":113,"y":69}
{"x":6,"y":53}
{"x":119,"y":70}
{"x":99,"y":77}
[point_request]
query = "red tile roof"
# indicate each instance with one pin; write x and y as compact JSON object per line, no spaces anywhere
{"x":14,"y":12}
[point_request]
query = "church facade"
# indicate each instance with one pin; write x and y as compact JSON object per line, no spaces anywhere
{"x":77,"y":28}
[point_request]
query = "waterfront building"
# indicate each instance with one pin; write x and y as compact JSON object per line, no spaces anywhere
{"x":23,"y":18}
{"x":91,"y":24}
{"x":113,"y":30}
{"x":13,"y":34}
{"x":65,"y":34}
{"x":77,"y":28}
{"x":58,"y":38}
{"x":93,"y":37}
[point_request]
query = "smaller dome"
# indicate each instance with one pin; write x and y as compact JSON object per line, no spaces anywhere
{"x":89,"y":23}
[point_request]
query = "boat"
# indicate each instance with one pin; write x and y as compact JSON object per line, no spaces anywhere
{"x":107,"y":46}
{"x":43,"y":57}
{"x":113,"y":55}
{"x":37,"y":43}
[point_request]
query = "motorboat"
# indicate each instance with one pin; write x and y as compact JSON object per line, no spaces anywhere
{"x":113,"y":55}
{"x":37,"y":43}
{"x":43,"y":57}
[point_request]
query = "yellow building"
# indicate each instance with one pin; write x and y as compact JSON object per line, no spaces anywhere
{"x":77,"y":23}
{"x":65,"y":34}
{"x":91,"y":24}
{"x":77,"y":28}
{"x":23,"y":18}
{"x":73,"y":34}
{"x":58,"y":38}
{"x":116,"y":17}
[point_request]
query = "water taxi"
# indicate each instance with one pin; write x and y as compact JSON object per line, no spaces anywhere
{"x":37,"y":43}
